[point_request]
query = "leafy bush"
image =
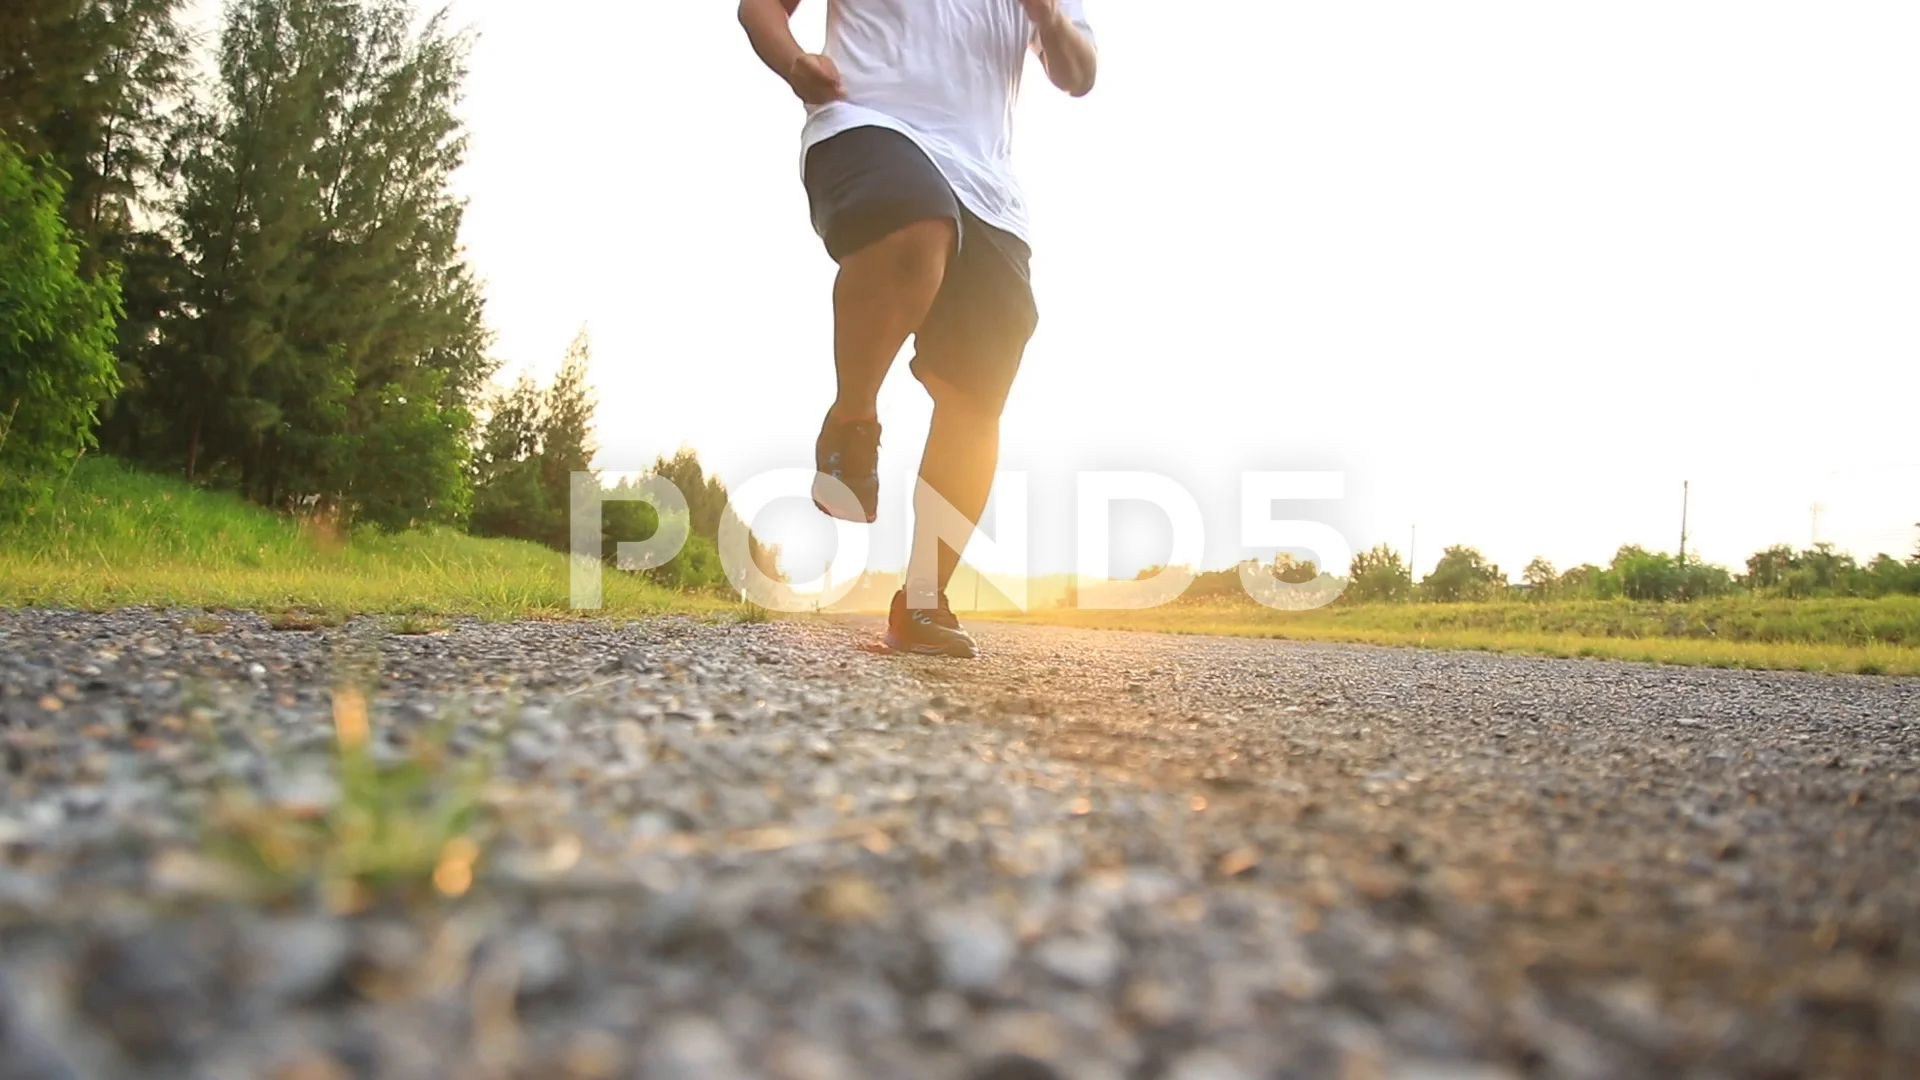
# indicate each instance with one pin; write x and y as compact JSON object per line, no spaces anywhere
{"x":56,"y":334}
{"x":411,"y":468}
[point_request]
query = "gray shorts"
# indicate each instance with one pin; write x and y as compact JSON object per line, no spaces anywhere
{"x":867,"y":183}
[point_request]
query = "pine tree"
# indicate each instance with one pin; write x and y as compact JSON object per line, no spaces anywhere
{"x":508,"y":498}
{"x":94,"y":88}
{"x":336,"y":346}
{"x":94,"y":85}
{"x":566,"y":435}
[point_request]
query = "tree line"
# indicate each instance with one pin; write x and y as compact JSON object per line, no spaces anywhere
{"x":239,"y":260}
{"x":536,"y":438}
{"x":1379,"y":575}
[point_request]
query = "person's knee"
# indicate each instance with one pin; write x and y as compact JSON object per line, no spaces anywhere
{"x":909,"y":265}
{"x":962,"y":405}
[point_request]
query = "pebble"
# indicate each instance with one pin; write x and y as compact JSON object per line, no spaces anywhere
{"x":1015,"y":1067}
{"x":145,"y":991}
{"x":690,"y":1048}
{"x":1206,"y":1065}
{"x":1448,"y":1070}
{"x":635,"y":748}
{"x":974,"y":948}
{"x":594,"y":1054}
{"x":1084,"y":959}
{"x":296,"y":959}
{"x":529,"y":749}
{"x":543,"y":961}
{"x":24,"y":1053}
{"x":796,"y":1058}
{"x":307,"y":790}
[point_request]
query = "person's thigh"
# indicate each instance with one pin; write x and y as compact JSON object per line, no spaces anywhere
{"x":975,"y":337}
{"x":867,"y":184}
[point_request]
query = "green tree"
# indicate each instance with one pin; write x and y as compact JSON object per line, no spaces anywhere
{"x":708,"y":506}
{"x":1821,"y":570}
{"x":1646,"y":575}
{"x":522,"y":469}
{"x":95,"y":86}
{"x":1886,"y":576}
{"x":1699,"y":580}
{"x":1540,"y":577}
{"x":624,"y":520}
{"x":1580,"y":581}
{"x":1463,"y":574}
{"x":706,"y":496}
{"x":1769,"y":569}
{"x":508,"y":496}
{"x":1293,"y":569}
{"x":411,"y":468}
{"x":566,"y":435}
{"x":56,"y":334}
{"x":331,"y":310}
{"x":92,"y":85}
{"x":1214,"y":586}
{"x":1378,"y":575}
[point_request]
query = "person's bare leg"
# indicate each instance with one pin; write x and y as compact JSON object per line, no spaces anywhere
{"x":963,"y":450}
{"x":883,"y":292}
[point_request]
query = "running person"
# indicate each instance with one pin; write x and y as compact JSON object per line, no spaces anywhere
{"x":906,"y":159}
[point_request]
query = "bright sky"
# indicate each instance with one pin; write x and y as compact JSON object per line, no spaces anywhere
{"x":1518,"y":269}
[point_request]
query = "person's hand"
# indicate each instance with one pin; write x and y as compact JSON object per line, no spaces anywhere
{"x":815,"y":78}
{"x":1041,"y":12}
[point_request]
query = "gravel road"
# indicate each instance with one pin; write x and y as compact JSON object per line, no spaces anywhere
{"x":766,"y":850}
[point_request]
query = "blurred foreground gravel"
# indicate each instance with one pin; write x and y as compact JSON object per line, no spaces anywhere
{"x":765,"y":850}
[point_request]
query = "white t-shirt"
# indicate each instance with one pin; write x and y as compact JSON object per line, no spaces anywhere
{"x":946,"y":74}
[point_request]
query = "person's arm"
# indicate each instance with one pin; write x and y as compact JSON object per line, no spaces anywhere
{"x":813,"y":76}
{"x":1067,"y":54}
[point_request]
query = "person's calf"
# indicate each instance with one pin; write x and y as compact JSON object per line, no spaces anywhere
{"x":956,"y":480}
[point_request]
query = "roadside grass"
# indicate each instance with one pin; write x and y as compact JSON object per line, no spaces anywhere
{"x":403,"y":830}
{"x":115,"y":537}
{"x":1869,"y":637}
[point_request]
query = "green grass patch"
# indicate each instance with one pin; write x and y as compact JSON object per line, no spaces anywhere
{"x":402,"y":830}
{"x":114,"y":536}
{"x":1875,"y":637}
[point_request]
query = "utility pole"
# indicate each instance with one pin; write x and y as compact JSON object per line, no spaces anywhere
{"x":1684,"y":485}
{"x":1814,"y":529}
{"x":1413,"y":550}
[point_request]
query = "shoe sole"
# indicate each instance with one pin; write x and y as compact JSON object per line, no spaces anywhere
{"x":868,"y":519}
{"x":900,"y":646}
{"x":867,"y":514}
